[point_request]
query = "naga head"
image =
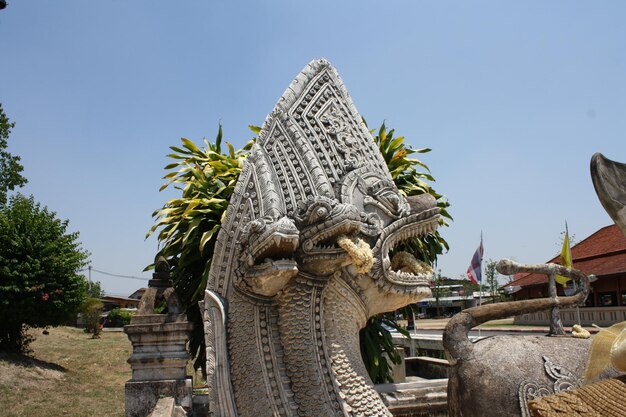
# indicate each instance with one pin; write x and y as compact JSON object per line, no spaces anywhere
{"x":267,"y":260}
{"x":400,"y":270}
{"x":315,"y":196}
{"x":396,"y":277}
{"x":324,"y":222}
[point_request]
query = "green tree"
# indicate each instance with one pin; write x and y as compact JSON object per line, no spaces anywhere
{"x":94,"y":289}
{"x":10,"y":167}
{"x":39,"y":262}
{"x":188,"y":225}
{"x":491,"y":279}
{"x":439,"y":290}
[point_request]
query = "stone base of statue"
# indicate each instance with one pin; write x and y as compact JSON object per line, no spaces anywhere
{"x":142,"y":396}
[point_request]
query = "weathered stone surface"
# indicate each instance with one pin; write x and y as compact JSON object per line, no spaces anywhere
{"x":141,"y":397}
{"x":302,"y":261}
{"x":159,"y":349}
{"x":422,"y":398}
{"x":166,"y":407}
{"x":502,"y":371}
{"x":496,"y":376}
{"x":159,"y":358}
{"x":609,"y":180}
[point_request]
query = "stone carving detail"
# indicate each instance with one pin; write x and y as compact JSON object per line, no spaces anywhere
{"x":564,"y":380}
{"x":303,"y":260}
{"x":494,"y":376}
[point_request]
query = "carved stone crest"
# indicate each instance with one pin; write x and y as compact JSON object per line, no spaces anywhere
{"x":303,"y":260}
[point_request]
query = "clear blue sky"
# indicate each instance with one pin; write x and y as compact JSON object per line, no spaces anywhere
{"x":513,"y":98}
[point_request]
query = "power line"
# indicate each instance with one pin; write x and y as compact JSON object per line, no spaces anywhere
{"x":119,"y":276}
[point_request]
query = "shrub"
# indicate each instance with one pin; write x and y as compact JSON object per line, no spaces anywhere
{"x":118,"y":318}
{"x":92,"y":311}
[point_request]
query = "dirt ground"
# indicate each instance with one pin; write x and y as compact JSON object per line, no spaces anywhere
{"x":69,"y":374}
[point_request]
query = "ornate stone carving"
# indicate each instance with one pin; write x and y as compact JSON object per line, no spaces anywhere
{"x":495,"y":376}
{"x":564,"y":380}
{"x":303,"y":260}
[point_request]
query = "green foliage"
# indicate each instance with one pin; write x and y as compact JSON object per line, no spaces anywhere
{"x":118,"y":318}
{"x":412,"y":181}
{"x":189,"y":224}
{"x":491,"y":283}
{"x":39,"y":263}
{"x":15,"y":339}
{"x":91,"y":310}
{"x":439,"y":290}
{"x":94,"y":289}
{"x":10,"y":167}
{"x":377,"y":345}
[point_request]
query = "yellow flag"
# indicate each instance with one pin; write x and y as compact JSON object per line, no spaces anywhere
{"x":566,"y":259}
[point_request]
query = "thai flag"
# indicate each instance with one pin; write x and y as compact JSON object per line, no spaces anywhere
{"x":474,"y":270}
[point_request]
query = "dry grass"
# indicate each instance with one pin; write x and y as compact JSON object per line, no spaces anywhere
{"x":70,"y":374}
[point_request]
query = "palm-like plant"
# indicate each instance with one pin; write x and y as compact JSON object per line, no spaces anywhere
{"x":188,"y":226}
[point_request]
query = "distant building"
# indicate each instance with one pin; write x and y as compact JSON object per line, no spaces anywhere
{"x":138,"y":294}
{"x":452,"y":299}
{"x":602,"y":254}
{"x":111,"y":301}
{"x":131,"y":302}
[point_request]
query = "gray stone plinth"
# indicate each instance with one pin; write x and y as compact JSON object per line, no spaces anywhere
{"x":142,"y":396}
{"x":159,"y":348}
{"x":159,"y":358}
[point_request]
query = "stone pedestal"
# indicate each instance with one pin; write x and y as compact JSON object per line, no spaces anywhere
{"x":159,"y":349}
{"x":142,"y":396}
{"x":159,"y":358}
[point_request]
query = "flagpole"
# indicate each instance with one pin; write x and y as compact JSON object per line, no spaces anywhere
{"x":574,"y":281}
{"x":480,"y":281}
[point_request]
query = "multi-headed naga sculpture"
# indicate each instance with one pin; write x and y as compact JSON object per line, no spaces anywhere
{"x":303,"y":260}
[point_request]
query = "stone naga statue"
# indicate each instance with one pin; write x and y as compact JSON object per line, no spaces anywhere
{"x":303,"y":260}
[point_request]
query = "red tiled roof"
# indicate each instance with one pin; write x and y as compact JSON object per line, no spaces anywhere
{"x":602,"y":253}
